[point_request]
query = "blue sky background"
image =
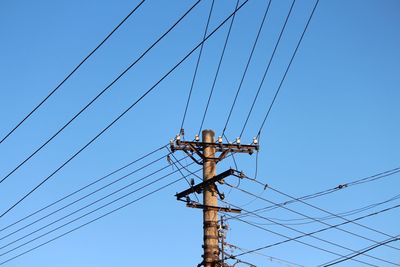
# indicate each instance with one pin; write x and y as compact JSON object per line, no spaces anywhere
{"x":336,"y":119}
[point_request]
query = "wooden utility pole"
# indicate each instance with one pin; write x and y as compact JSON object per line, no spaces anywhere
{"x":206,"y":152}
{"x":210,"y":216}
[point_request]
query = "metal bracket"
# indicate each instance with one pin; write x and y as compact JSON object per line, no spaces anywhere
{"x":193,"y":158}
{"x":199,"y":187}
{"x":225,"y":148}
{"x":201,"y":206}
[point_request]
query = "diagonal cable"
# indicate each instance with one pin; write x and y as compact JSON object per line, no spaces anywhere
{"x":301,"y":232}
{"x":87,"y":206}
{"x":247,"y":66}
{"x":361,"y":252}
{"x":82,"y":188}
{"x":218,"y":69}
{"x":70,"y":74}
{"x":287,"y":69}
{"x":98,"y":95}
{"x":267,"y":68}
{"x":90,"y":222}
{"x":197,"y":66}
{"x":287,"y":238}
{"x":317,"y":231}
{"x":123,"y":113}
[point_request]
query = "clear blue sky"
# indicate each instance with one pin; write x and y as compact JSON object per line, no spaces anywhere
{"x":335,"y":120}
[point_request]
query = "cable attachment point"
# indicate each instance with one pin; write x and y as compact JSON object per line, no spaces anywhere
{"x":341,"y":186}
{"x":266,"y":186}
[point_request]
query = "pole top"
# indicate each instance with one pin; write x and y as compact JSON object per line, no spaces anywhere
{"x":208,"y":132}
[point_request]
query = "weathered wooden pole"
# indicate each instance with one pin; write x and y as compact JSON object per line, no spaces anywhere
{"x":210,"y":215}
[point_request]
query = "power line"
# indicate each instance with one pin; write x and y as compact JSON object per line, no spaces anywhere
{"x":337,"y":216}
{"x":346,"y":213}
{"x":83,"y":188}
{"x":273,"y":259}
{"x":341,"y":186}
{"x":228,"y":257}
{"x":267,"y":68}
{"x":100,"y":94}
{"x":91,"y":221}
{"x":374,"y":177}
{"x":197,"y":65}
{"x":315,"y":207}
{"x":287,"y":69}
{"x":287,"y":238}
{"x":246,"y":68}
{"x":361,"y":252}
{"x":86,"y":214}
{"x":185,"y":168}
{"x":180,"y":171}
{"x":317,"y":231}
{"x":123,"y":113}
{"x":71,"y":73}
{"x":218,"y":69}
{"x":92,"y":193}
{"x":216,"y":76}
{"x":299,"y":213}
{"x":320,"y":209}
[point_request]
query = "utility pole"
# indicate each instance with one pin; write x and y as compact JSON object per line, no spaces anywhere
{"x":210,"y":216}
{"x":206,"y":156}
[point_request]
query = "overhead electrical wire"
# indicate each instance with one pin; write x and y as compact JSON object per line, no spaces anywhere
{"x":217,"y":74}
{"x":252,"y":200}
{"x":71,"y":73}
{"x":302,"y":221}
{"x":304,"y":215}
{"x":361,"y":252}
{"x":230,"y":257}
{"x":99,"y":94}
{"x":242,"y":79}
{"x":123,"y":113}
{"x":341,"y":186}
{"x":263,"y":78}
{"x":270,"y":258}
{"x":82,"y":188}
{"x":86,"y":214}
{"x":180,"y":171}
{"x":247,"y":66}
{"x":373,"y":177}
{"x":218,"y":69}
{"x":197,"y":67}
{"x":92,"y":193}
{"x":314,"y":232}
{"x":90,"y":222}
{"x":186,"y":169}
{"x":318,"y":208}
{"x":287,"y":69}
{"x":287,"y":238}
{"x":267,"y":69}
{"x":337,"y":216}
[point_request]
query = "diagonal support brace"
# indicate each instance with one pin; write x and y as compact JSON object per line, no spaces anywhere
{"x":199,"y":187}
